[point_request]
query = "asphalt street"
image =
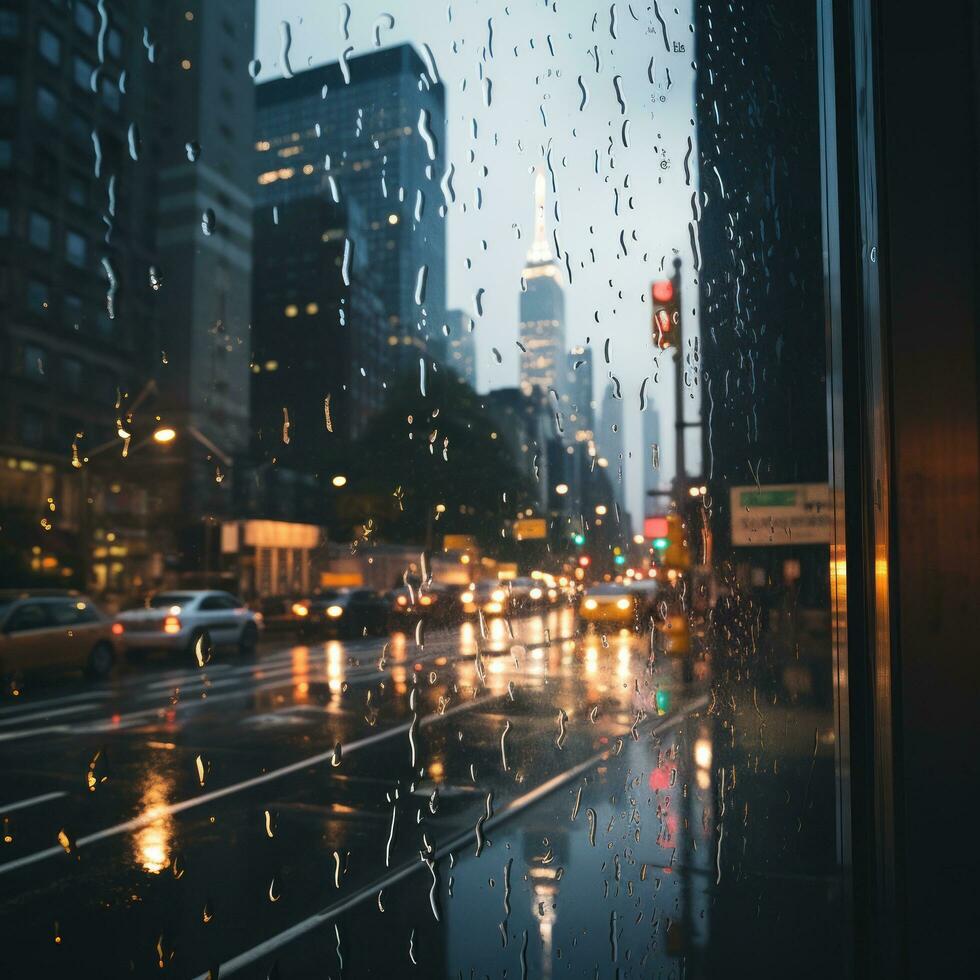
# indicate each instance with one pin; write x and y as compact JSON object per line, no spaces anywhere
{"x":526,"y":802}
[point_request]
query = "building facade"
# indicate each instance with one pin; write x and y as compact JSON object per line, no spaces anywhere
{"x":371,"y":130}
{"x":461,"y":345}
{"x":542,"y":307}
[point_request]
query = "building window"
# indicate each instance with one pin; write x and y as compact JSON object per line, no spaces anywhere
{"x":76,"y":248}
{"x":77,"y":190}
{"x":85,"y":18}
{"x":73,"y":311}
{"x":71,"y":374}
{"x":34,"y":362}
{"x":8,"y":89}
{"x":81,"y":72}
{"x":110,"y":94}
{"x":47,"y":104}
{"x":39,"y":231}
{"x":38,"y":296}
{"x":49,"y":46}
{"x":31,"y":427}
{"x":9,"y":24}
{"x":114,"y":43}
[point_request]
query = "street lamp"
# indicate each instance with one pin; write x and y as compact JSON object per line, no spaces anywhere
{"x":561,"y":489}
{"x":600,"y":509}
{"x":339,"y":481}
{"x":164,"y":434}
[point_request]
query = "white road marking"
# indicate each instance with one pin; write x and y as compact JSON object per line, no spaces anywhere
{"x":32,"y":801}
{"x":533,"y":796}
{"x":28,"y":705}
{"x":170,"y":809}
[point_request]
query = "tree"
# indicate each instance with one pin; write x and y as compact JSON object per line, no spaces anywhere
{"x":434,"y":450}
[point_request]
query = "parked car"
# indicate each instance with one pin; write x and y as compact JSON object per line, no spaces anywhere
{"x":342,"y":612}
{"x":408,"y":605}
{"x":607,"y":603}
{"x":177,"y":620}
{"x":42,"y":629}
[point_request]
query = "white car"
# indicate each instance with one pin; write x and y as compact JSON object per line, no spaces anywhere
{"x":177,"y":620}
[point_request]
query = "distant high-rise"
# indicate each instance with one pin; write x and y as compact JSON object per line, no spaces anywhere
{"x":542,"y":333}
{"x":577,"y":405}
{"x":373,"y":130}
{"x":610,"y":441}
{"x":461,"y":346}
{"x":201,"y":152}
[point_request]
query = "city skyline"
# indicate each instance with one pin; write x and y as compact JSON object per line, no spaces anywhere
{"x":504,"y":116}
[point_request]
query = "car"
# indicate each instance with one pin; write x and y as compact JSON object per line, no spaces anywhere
{"x":490,"y":597}
{"x":176,"y":621}
{"x":608,"y":603}
{"x":42,"y":630}
{"x":342,"y":612}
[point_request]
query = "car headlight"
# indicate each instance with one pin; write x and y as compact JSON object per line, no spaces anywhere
{"x":335,"y":612}
{"x":498,"y":595}
{"x":552,"y":594}
{"x":591,"y":604}
{"x":466,"y":597}
{"x":493,"y":607}
{"x":623,"y":603}
{"x":535,"y":593}
{"x":425,"y":600}
{"x":402,"y":600}
{"x":300,"y":610}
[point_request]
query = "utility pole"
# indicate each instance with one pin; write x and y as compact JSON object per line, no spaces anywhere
{"x":681,"y":467}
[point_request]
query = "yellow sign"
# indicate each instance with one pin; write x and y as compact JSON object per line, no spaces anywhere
{"x":338,"y":580}
{"x":459,"y":542}
{"x":530,"y":528}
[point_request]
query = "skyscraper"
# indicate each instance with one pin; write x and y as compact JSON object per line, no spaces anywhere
{"x":461,"y":346}
{"x":372,"y":129}
{"x":201,"y":154}
{"x":125,"y":239}
{"x":542,"y":333}
{"x":576,"y":401}
{"x":610,"y":441}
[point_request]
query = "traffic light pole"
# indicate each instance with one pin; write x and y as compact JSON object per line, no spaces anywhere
{"x":681,"y":463}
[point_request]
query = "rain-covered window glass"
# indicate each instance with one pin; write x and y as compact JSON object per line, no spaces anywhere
{"x":415,"y":518}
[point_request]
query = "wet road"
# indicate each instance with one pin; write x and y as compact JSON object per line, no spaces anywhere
{"x":364,"y":808}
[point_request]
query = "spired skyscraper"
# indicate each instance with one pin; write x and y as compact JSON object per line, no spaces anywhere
{"x":543,"y":360}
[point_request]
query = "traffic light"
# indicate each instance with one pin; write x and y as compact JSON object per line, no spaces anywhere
{"x":585,"y":561}
{"x":676,"y":554}
{"x":666,"y":312}
{"x":578,"y":538}
{"x":620,"y":559}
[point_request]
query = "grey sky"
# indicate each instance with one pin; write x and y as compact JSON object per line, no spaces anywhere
{"x":639,"y":197}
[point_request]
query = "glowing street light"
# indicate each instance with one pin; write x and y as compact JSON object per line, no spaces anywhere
{"x":600,"y":509}
{"x":164,"y":434}
{"x":561,"y":489}
{"x":339,"y":481}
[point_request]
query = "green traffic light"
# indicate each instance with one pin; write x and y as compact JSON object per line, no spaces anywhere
{"x":620,"y":559}
{"x":578,"y":538}
{"x":661,"y":543}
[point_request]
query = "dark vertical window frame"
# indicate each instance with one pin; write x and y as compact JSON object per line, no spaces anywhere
{"x":902,"y":278}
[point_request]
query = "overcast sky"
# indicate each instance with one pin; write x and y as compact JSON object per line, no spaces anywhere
{"x":543,"y":64}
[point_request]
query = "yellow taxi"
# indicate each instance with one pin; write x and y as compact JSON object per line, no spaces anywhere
{"x":607,"y":603}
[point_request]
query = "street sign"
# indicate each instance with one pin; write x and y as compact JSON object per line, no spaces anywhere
{"x":459,"y":542}
{"x":781,"y":515}
{"x":530,"y":528}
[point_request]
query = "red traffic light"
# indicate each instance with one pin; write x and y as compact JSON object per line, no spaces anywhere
{"x":663,"y":291}
{"x":585,"y":561}
{"x":655,"y":527}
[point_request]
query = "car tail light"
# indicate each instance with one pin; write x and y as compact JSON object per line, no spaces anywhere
{"x":425,"y":600}
{"x":466,"y":597}
{"x":118,"y":629}
{"x":591,"y":604}
{"x":300,"y":610}
{"x":171,"y":625}
{"x":402,"y":601}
